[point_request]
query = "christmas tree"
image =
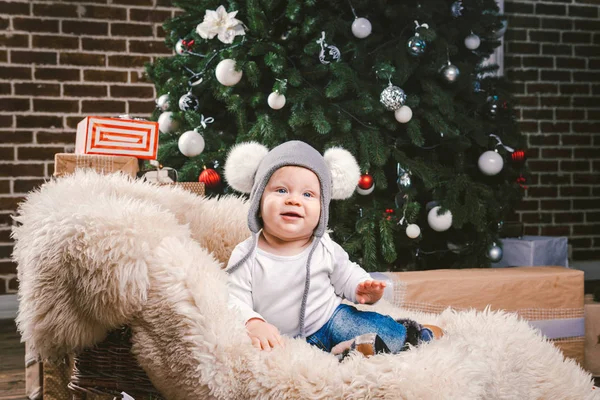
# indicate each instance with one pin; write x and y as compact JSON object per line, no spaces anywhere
{"x":401,"y":84}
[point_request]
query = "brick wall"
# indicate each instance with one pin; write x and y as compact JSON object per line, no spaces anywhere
{"x":61,"y":61}
{"x":552,"y":54}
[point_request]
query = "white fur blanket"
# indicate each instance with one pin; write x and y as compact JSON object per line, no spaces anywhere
{"x":95,"y":252}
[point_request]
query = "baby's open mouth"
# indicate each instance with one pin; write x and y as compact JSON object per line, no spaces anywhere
{"x":291,"y":214}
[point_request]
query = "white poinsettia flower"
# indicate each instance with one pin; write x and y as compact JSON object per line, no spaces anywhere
{"x":222,"y":24}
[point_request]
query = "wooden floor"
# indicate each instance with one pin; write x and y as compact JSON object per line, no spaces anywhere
{"x":12,"y":362}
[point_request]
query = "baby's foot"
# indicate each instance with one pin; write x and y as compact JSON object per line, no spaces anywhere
{"x":368,"y":345}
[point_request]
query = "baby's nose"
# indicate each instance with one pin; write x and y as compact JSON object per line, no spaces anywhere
{"x":292,"y":199}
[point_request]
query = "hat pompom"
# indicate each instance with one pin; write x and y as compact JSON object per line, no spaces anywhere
{"x":345,"y":172}
{"x":242,"y":163}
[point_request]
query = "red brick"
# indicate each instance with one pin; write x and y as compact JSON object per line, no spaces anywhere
{"x":576,"y":140}
{"x":586,"y":25}
{"x":55,"y":137}
{"x":82,"y":59}
{"x":575,"y":191}
{"x":135,"y":91}
{"x":513,"y":35}
{"x":58,"y":74}
{"x":103,"y":12}
{"x":56,"y":105}
{"x":3,"y":285}
{"x":540,"y":62}
{"x":544,"y":36}
{"x":574,"y":165}
{"x":586,"y":12}
{"x":160,"y":32}
{"x":13,"y":40}
{"x":542,"y":166}
{"x":596,"y":89}
{"x":580,"y":242}
{"x":542,"y":88}
{"x":15,"y":8}
{"x":16,"y":137}
{"x":589,"y":127}
{"x":71,"y":122}
{"x":55,"y":10}
{"x":555,"y":101}
{"x":527,"y":101}
{"x":585,"y":204}
{"x":578,"y":101}
{"x":513,"y":62}
{"x":523,"y":22}
{"x":8,"y":267}
{"x":20,"y":72}
{"x":555,"y":231}
{"x":39,"y":121}
{"x":14,"y":104}
{"x":6,"y":121}
{"x":582,"y":179}
{"x":37,"y":153}
{"x":587,"y":51}
{"x":528,"y":126}
{"x":55,"y":42}
{"x":35,"y":24}
{"x":536,"y":218}
{"x":85,"y":28}
{"x":7,"y":153}
{"x":149,"y":15}
{"x":32,"y":57}
{"x":554,"y":127}
{"x":129,"y":30}
{"x":528,"y":205}
{"x":544,"y":140}
{"x":5,"y":88}
{"x":4,"y":189}
{"x":523,"y":48}
{"x":142,"y":107}
{"x":13,"y":285}
{"x":594,"y":64}
{"x":537,"y":114}
{"x":140,"y":77}
{"x":9,"y":204}
{"x":3,"y":56}
{"x":522,"y":74}
{"x":557,"y":23}
{"x":550,"y":49}
{"x":555,"y":179}
{"x":168,"y":3}
{"x":94,"y":44}
{"x":517,"y":88}
{"x":27,"y":185}
{"x":570,"y":62}
{"x":127,"y":61}
{"x":518,"y":8}
{"x":592,"y":216}
{"x":104,"y":76}
{"x":560,"y":152}
{"x":37,"y":89}
{"x":149,"y":46}
{"x":585,"y":255}
{"x":4,"y":23}
{"x":579,"y":88}
{"x":569,"y":114}
{"x":588,"y":229}
{"x":542,"y":191}
{"x":85,"y":90}
{"x":103,"y":106}
{"x":555,"y":204}
{"x":576,"y":37}
{"x":134,"y":2}
{"x":531,"y":230}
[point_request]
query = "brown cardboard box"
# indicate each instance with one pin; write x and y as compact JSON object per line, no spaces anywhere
{"x":592,"y":335}
{"x":550,"y":298}
{"x":67,"y":163}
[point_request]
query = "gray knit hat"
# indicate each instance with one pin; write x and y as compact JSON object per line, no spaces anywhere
{"x":249,"y":167}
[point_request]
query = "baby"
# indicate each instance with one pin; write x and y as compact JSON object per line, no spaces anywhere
{"x":289,"y":277}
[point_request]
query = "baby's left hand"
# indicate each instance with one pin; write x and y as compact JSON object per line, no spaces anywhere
{"x":369,"y":292}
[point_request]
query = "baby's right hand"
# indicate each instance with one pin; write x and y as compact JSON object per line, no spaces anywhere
{"x":264,"y":335}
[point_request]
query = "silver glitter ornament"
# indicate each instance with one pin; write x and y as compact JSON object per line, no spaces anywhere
{"x":456,"y":9}
{"x":404,"y":180}
{"x":328,"y":53}
{"x":392,"y":97}
{"x":416,"y":46}
{"x":450,"y":72}
{"x":494,"y":253}
{"x":189,"y":102}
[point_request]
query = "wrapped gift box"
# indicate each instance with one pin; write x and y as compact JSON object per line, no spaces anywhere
{"x":592,"y":335}
{"x":118,"y":137}
{"x":67,"y":163}
{"x":534,"y":251}
{"x":550,"y":298}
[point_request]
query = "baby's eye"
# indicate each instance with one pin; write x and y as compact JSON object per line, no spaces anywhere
{"x":308,"y":194}
{"x":281,"y":190}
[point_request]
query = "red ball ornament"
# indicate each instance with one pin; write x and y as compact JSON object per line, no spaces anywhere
{"x":365,"y":182}
{"x":522,"y":182}
{"x":518,"y":156}
{"x":210,"y":178}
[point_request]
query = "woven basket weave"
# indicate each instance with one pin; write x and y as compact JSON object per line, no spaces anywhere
{"x":108,"y":369}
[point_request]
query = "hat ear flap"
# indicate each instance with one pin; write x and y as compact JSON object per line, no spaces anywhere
{"x":345,"y":172}
{"x":242,"y":163}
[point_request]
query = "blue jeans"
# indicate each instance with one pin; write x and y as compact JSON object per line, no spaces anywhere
{"x":347,"y":322}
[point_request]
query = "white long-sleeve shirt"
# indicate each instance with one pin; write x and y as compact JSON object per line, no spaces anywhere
{"x":271,"y":287}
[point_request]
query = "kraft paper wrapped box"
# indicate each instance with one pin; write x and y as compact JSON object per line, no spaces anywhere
{"x":67,"y":163}
{"x":534,"y":251}
{"x":550,"y":298}
{"x":592,"y":335}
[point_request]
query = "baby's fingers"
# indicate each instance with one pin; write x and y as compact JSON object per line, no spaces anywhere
{"x":255,"y":342}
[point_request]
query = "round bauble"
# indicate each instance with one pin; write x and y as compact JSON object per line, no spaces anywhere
{"x":456,"y":9}
{"x":189,"y":102}
{"x":226,"y":73}
{"x":490,"y":163}
{"x":180,"y":47}
{"x":210,"y":178}
{"x":191,"y":144}
{"x":495,"y":253}
{"x":439,"y":223}
{"x":361,"y":28}
{"x":276,"y":101}
{"x":472,"y":42}
{"x":392,"y":97}
{"x":365,"y":192}
{"x":403,"y":114}
{"x":413,"y":231}
{"x":416,"y":46}
{"x":450,"y":73}
{"x":162,"y":103}
{"x":365,"y":181}
{"x":166,"y":123}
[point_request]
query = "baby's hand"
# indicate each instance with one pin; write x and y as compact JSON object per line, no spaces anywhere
{"x":264,"y":335}
{"x":369,"y":292}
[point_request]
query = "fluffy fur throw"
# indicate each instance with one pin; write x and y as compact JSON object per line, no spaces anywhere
{"x":95,"y":252}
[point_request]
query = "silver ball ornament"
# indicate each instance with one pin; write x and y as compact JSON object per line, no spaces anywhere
{"x":189,"y":102}
{"x":180,"y":48}
{"x":490,"y":163}
{"x":166,"y":123}
{"x":495,"y":253}
{"x":191,"y":144}
{"x":416,"y":46}
{"x":456,"y":9}
{"x":361,"y":28}
{"x":162,"y":103}
{"x":392,"y":97}
{"x":450,"y":73}
{"x":472,"y":42}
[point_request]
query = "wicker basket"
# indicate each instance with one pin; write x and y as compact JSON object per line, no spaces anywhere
{"x":108,"y":369}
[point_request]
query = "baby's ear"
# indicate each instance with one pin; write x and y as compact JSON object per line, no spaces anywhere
{"x":242,"y":163}
{"x":345,"y":172}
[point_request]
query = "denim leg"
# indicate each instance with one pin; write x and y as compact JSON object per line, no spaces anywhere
{"x":347,"y":322}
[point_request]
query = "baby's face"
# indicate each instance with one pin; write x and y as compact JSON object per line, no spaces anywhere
{"x":291,"y":203}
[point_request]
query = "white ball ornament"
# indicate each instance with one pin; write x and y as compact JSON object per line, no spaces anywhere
{"x":365,"y":192}
{"x":403,"y":114}
{"x":226,"y":73}
{"x":472,"y":42}
{"x":191,"y":144}
{"x":166,"y":123}
{"x":490,"y":163}
{"x":162,"y":103}
{"x":180,"y":48}
{"x":413,"y":231}
{"x":361,"y":28}
{"x":276,"y":101}
{"x":439,"y":223}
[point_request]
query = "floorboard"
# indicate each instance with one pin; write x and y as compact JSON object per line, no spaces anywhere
{"x":12,"y":362}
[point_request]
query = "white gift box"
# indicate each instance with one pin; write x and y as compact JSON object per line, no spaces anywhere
{"x":530,"y":251}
